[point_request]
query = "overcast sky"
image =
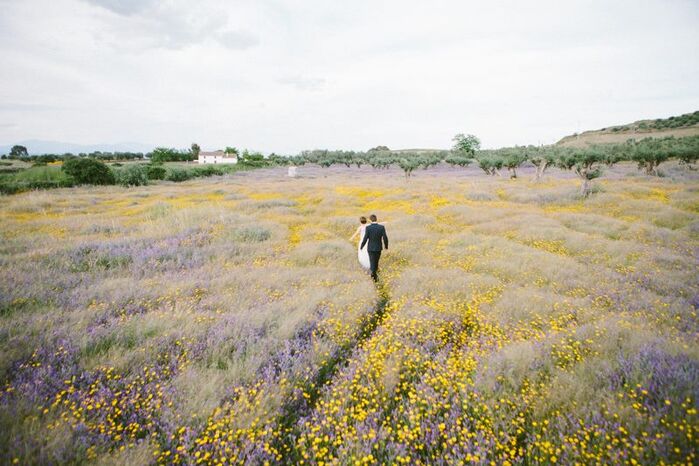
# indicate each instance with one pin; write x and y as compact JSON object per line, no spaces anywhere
{"x":283,"y":76}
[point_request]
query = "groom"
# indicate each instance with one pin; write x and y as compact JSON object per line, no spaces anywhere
{"x":373,"y":234}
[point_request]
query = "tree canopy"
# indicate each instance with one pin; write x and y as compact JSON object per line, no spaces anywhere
{"x":466,"y":143}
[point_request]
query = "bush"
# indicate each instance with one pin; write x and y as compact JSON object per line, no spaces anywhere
{"x":11,"y":186}
{"x":156,"y":172}
{"x":252,"y":234}
{"x":132,"y":175}
{"x":178,"y":175}
{"x":207,"y":170}
{"x":88,"y":171}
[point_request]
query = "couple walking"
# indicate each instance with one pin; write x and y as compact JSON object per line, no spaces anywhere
{"x":371,"y":236}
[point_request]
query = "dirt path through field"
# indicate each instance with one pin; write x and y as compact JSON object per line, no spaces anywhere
{"x":296,"y":409}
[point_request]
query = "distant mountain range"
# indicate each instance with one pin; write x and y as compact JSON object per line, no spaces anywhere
{"x":39,"y":147}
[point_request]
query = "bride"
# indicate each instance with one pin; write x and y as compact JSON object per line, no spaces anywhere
{"x":362,"y":254}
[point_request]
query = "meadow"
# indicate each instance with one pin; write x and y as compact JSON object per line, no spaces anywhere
{"x":226,"y":321}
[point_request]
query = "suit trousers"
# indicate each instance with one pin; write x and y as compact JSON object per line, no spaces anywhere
{"x":374,"y":257}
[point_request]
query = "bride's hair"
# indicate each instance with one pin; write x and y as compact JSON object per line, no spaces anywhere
{"x":362,"y":220}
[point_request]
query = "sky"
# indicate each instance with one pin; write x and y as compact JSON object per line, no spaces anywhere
{"x":284,"y":76}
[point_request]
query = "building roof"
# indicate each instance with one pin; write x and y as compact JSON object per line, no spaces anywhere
{"x":218,"y":153}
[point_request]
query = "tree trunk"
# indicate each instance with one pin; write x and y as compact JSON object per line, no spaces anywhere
{"x":514,"y":172}
{"x":585,"y":187}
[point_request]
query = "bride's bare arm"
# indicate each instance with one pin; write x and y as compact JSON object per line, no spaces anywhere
{"x":355,"y":234}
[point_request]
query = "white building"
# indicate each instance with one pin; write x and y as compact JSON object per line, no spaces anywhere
{"x":217,"y":157}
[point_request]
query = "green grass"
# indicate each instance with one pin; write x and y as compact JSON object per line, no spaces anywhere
{"x":42,"y":174}
{"x":41,"y":177}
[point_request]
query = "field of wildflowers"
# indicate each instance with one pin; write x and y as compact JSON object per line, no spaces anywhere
{"x":226,"y":321}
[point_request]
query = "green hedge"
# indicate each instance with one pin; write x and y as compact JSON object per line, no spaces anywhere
{"x":14,"y":187}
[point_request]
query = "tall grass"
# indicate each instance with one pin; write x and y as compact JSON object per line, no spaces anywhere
{"x":227,"y":320}
{"x":33,"y":178}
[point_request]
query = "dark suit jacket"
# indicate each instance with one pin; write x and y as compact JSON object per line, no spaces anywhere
{"x":373,"y":234}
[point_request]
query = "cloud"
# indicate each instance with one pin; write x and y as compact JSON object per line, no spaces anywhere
{"x":172,"y":25}
{"x":21,"y":107}
{"x":284,"y":75}
{"x":238,"y":40}
{"x":123,"y":7}
{"x":304,"y":83}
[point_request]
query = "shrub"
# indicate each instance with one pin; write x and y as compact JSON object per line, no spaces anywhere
{"x":178,"y":175}
{"x":207,"y":170}
{"x":156,"y":172}
{"x":252,"y":234}
{"x":14,"y":186}
{"x":88,"y":171}
{"x":132,"y":175}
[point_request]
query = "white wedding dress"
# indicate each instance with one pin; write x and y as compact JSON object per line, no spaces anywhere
{"x":363,"y":254}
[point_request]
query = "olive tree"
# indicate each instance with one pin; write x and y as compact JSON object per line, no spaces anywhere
{"x":542,"y":158}
{"x":429,"y":160}
{"x":458,"y":160}
{"x":344,"y":157}
{"x":614,"y":153}
{"x":513,"y":158}
{"x":687,"y":151}
{"x":359,"y":159}
{"x":381,"y":160}
{"x":490,"y":164}
{"x":313,"y":156}
{"x":327,"y":161}
{"x":408,"y":164}
{"x":586,"y":163}
{"x":649,"y":154}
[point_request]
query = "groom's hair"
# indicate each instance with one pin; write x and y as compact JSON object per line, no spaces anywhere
{"x":362,"y":220}
{"x":372,"y":217}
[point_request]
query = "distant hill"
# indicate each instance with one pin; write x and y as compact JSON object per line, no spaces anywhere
{"x":419,"y":151}
{"x":39,"y":147}
{"x":678,"y":126}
